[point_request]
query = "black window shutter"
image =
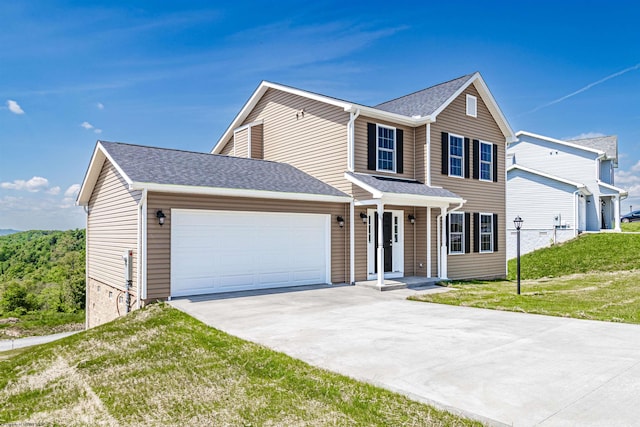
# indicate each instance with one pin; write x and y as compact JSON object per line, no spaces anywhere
{"x":445,"y":153}
{"x":466,"y":157}
{"x":371,"y":146}
{"x":467,"y":232}
{"x":476,"y":159}
{"x":495,"y":232}
{"x":399,"y":150}
{"x":495,"y":163}
{"x":476,"y":232}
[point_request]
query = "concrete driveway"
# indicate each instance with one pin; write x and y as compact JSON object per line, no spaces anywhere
{"x":498,"y":367}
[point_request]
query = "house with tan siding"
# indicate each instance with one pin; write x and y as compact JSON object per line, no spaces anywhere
{"x":303,"y":189}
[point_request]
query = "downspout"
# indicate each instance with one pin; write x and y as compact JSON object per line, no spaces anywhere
{"x":141,"y":212}
{"x":352,"y":250}
{"x":575,"y":212}
{"x":351,"y":131}
{"x":86,"y":269}
{"x":428,"y":159}
{"x":429,"y":241}
{"x":143,"y":281}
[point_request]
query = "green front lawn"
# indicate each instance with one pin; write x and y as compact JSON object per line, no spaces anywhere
{"x":631,"y":226}
{"x":158,"y":366}
{"x":610,"y":296}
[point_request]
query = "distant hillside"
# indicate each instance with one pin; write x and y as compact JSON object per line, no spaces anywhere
{"x":42,"y":271}
{"x":5,"y":231}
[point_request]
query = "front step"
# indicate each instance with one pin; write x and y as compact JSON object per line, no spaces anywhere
{"x":400,"y":283}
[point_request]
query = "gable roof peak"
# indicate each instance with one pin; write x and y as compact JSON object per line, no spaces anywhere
{"x":427,"y":101}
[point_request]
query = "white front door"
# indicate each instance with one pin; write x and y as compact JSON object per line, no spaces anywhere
{"x":393,"y":237}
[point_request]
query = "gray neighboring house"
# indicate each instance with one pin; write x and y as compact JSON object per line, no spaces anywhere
{"x":561,"y":188}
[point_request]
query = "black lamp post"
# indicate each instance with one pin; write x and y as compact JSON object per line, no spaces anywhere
{"x":518,"y":224}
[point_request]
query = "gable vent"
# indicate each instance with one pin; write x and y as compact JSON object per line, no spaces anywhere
{"x":472,"y":106}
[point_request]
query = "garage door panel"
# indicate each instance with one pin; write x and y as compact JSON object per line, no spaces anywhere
{"x":221,"y":251}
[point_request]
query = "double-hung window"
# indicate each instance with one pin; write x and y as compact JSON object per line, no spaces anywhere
{"x":456,"y":155}
{"x":456,"y":233}
{"x":486,"y":232}
{"x":486,"y":161}
{"x":386,"y":148}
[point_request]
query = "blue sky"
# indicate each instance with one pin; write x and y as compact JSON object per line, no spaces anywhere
{"x":174,"y":74}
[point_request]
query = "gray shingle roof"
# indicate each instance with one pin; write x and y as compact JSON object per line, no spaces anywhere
{"x":402,"y":186}
{"x":424,"y":102}
{"x":174,"y":167}
{"x":608,"y":144}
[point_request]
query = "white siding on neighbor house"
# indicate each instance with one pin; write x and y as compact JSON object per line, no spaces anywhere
{"x":569,"y":163}
{"x":537,"y":200}
{"x":606,"y":171}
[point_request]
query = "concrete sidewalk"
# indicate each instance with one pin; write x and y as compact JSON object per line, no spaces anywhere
{"x":498,"y":367}
{"x":29,"y":341}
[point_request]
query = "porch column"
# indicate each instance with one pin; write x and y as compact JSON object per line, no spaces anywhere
{"x":380,"y":226}
{"x":616,"y":212}
{"x":428,"y":242}
{"x":443,"y":245}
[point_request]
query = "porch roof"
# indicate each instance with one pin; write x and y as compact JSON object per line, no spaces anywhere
{"x":611,"y":190}
{"x":392,"y":190}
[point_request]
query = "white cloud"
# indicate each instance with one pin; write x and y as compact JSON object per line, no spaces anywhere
{"x":33,"y":185}
{"x":585,"y":136}
{"x":86,"y":125}
{"x":100,"y":106}
{"x":72,"y":191}
{"x":54,"y":191}
{"x":97,"y":130}
{"x":14,"y":107}
{"x":630,"y":181}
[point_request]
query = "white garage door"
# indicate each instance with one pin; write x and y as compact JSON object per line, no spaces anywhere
{"x":223,"y":251}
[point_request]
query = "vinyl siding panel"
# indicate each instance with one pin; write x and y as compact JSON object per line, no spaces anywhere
{"x":112,"y":228}
{"x":538,"y":200}
{"x":361,"y":153}
{"x":159,"y":237}
{"x":481,"y":196}
{"x":227,"y":150}
{"x":315,"y":143}
{"x":241,"y":143}
{"x":256,"y":142}
{"x":555,"y":159}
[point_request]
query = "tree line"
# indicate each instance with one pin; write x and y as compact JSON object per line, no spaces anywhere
{"x":42,"y":271}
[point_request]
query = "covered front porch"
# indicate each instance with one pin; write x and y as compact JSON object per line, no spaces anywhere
{"x":609,"y":215}
{"x":403,"y":233}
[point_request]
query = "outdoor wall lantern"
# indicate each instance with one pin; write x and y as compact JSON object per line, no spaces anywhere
{"x":412,"y":219}
{"x":363,"y":217}
{"x":340,"y":221}
{"x":517,"y":222}
{"x":161,"y":216}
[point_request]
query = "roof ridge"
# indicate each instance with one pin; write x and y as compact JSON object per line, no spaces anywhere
{"x":426,"y":88}
{"x":593,"y":137}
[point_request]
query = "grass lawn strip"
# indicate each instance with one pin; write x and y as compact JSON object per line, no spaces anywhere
{"x":609,"y":296}
{"x":158,"y":366}
{"x":588,"y":253}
